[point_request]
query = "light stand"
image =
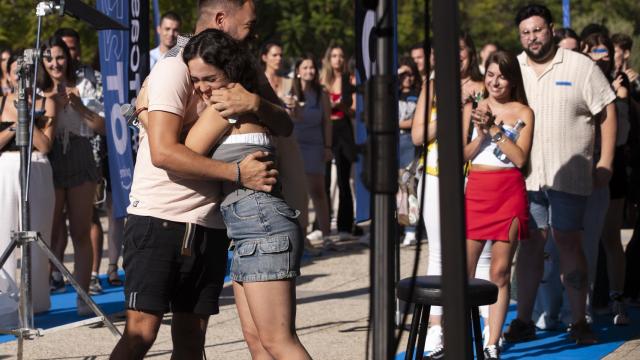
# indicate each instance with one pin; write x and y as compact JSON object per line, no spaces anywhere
{"x":24,"y":237}
{"x":381,"y":178}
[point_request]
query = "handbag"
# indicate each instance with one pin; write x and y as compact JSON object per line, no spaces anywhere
{"x":407,"y":196}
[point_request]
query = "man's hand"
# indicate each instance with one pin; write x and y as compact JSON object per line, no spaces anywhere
{"x":256,"y":174}
{"x":234,"y":100}
{"x":601,"y":176}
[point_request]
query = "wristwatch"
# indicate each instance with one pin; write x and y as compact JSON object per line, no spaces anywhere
{"x":497,"y":137}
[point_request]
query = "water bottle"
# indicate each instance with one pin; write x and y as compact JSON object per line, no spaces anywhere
{"x":511,"y":133}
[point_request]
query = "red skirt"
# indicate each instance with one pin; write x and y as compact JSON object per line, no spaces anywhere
{"x":493,"y":200}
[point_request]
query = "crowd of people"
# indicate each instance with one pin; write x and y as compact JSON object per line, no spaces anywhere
{"x":550,"y":140}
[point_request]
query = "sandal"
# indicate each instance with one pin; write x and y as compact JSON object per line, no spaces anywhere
{"x":112,"y":276}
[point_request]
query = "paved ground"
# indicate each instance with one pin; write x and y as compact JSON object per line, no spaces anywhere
{"x":332,"y":317}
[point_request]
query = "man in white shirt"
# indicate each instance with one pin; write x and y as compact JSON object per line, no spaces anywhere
{"x":168,"y":33}
{"x":570,"y":96}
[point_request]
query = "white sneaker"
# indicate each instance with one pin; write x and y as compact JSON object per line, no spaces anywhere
{"x":434,"y":339}
{"x":315,"y":235}
{"x":409,"y":239}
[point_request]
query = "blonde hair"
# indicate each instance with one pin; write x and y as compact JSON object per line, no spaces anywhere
{"x":327,"y":75}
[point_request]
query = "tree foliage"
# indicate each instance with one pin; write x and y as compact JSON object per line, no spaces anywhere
{"x":300,"y":25}
{"x":493,"y":20}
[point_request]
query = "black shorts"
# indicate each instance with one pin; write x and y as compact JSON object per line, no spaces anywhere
{"x":160,"y":277}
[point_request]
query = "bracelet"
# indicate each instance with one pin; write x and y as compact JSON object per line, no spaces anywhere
{"x":238,"y":178}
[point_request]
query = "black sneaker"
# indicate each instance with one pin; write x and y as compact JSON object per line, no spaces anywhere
{"x":519,"y":331}
{"x":491,"y":352}
{"x":581,"y":332}
{"x":436,"y":354}
{"x":57,"y":284}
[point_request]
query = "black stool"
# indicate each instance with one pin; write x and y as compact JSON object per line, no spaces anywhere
{"x":427,"y":293}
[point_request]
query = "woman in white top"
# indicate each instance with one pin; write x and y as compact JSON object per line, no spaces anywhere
{"x":40,"y":194}
{"x":496,"y":198}
{"x":75,"y":172}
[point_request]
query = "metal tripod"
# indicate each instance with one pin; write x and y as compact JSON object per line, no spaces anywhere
{"x":25,"y":237}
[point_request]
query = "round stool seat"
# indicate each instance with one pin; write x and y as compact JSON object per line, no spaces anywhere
{"x":428,"y":291}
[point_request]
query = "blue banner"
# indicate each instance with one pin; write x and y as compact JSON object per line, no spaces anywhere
{"x":365,"y":56}
{"x":114,"y":64}
{"x":566,"y":13}
{"x":365,"y":62}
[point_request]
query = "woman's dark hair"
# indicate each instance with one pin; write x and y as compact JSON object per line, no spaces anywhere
{"x":474,"y":68}
{"x":594,"y":40}
{"x":4,"y":71}
{"x":594,"y":28}
{"x":297,"y":81}
{"x":531,"y":10}
{"x":623,"y":41}
{"x":44,"y":80}
{"x":407,"y":61}
{"x":565,"y":33}
{"x":510,"y":69}
{"x":265,"y":50}
{"x":218,"y":49}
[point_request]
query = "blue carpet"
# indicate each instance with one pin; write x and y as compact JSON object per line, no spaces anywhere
{"x":557,"y":345}
{"x":63,"y":306}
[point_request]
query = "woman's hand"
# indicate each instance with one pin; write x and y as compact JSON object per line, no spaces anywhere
{"x":75,"y":101}
{"x":483,"y":120}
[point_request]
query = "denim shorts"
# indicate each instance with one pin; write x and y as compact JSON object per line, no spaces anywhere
{"x":562,"y":210}
{"x":267,"y":238}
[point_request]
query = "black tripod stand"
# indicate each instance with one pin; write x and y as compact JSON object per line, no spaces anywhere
{"x":24,"y":238}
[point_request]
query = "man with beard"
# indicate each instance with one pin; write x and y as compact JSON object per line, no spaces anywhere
{"x":566,"y":91}
{"x":175,"y":247}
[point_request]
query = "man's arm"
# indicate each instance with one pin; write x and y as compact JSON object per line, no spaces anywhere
{"x":608,"y":128}
{"x":236,"y":100}
{"x":169,"y":154}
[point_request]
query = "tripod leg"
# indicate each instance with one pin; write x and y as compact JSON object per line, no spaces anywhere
{"x":87,"y":299}
{"x":7,"y":252}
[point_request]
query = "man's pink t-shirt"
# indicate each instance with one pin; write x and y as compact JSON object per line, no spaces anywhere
{"x":156,"y":192}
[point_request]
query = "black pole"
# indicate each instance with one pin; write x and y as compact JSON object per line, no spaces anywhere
{"x":382,"y":166}
{"x":452,"y":223}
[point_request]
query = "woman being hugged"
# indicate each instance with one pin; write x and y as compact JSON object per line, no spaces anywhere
{"x":41,"y":194}
{"x":74,"y":169}
{"x":267,"y":238}
{"x":496,"y":198}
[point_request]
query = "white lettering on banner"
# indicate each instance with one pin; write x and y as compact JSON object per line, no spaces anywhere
{"x":113,"y":8}
{"x":134,"y":60}
{"x":126,"y":178}
{"x":367,"y":30}
{"x":135,"y":8}
{"x":116,"y":82}
{"x":134,"y":56}
{"x":135,"y":30}
{"x":119,"y":129}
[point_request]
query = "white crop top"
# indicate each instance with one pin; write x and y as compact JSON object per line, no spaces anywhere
{"x":486,"y":156}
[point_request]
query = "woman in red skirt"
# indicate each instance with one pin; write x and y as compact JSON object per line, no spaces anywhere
{"x":496,"y":197}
